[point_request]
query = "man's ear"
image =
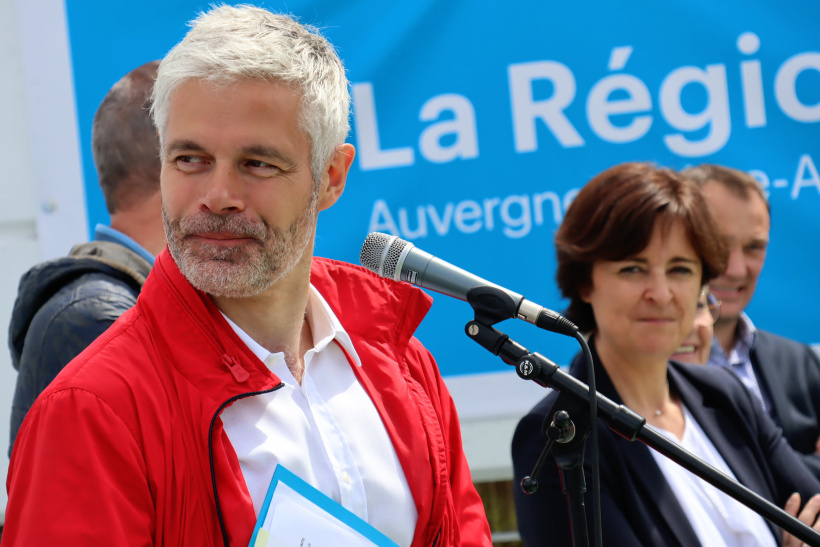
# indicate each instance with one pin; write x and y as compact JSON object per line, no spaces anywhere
{"x":335,"y":175}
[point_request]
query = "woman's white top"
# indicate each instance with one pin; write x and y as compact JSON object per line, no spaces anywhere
{"x":717,"y":518}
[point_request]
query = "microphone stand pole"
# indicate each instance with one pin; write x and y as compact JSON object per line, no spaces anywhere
{"x":571,"y":469}
{"x":628,"y":424}
{"x":566,"y":442}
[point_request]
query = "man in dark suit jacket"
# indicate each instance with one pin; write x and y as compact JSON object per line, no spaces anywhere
{"x":784,"y":375}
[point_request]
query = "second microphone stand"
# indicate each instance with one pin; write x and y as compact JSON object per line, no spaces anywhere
{"x":619,"y":418}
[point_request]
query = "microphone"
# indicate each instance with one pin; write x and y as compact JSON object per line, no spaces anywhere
{"x":399,"y":260}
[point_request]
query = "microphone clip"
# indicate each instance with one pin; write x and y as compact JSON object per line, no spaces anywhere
{"x":492,"y":304}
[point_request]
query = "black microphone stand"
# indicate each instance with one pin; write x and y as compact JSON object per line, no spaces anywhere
{"x":625,"y":422}
{"x":569,"y":456}
{"x":568,"y":447}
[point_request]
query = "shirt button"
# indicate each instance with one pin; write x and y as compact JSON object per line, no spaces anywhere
{"x":346,"y":477}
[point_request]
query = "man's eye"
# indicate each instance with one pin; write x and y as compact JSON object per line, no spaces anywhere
{"x":261,"y":169}
{"x":257,"y":163}
{"x":189,"y":163}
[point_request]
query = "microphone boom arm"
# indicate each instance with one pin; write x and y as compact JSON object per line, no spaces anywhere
{"x":630,"y":425}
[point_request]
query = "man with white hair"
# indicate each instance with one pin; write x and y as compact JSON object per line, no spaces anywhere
{"x":244,"y":352}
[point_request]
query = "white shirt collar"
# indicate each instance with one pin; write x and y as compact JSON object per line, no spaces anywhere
{"x":746,"y":330}
{"x":324,"y":325}
{"x":746,"y":339}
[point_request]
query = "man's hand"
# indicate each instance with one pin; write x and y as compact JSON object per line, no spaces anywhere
{"x":808,"y":516}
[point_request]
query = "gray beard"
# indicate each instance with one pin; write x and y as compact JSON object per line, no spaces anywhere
{"x":242,"y":271}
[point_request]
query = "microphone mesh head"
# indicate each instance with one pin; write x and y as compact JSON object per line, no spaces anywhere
{"x":391,"y":260}
{"x":372,"y":250}
{"x":381,"y":252}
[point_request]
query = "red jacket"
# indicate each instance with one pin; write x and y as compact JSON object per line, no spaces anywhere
{"x":126,"y":446}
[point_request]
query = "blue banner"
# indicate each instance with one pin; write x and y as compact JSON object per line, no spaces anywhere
{"x":475,"y":124}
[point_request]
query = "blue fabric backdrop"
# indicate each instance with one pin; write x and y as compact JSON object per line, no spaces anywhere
{"x":475,"y":122}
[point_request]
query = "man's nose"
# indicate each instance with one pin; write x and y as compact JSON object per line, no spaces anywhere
{"x":736,"y":266}
{"x":223,"y":193}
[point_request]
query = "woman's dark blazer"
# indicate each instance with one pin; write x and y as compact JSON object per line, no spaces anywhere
{"x":638,"y":506}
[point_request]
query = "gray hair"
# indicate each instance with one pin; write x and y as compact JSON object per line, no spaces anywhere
{"x":235,"y":43}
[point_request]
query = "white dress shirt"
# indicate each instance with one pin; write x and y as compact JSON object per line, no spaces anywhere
{"x":326,"y":430}
{"x":718,"y":519}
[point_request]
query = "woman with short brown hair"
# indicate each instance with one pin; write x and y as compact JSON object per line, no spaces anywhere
{"x":634,"y":251}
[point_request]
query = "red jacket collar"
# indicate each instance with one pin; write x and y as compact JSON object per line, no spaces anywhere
{"x":369,"y":306}
{"x":210,"y":355}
